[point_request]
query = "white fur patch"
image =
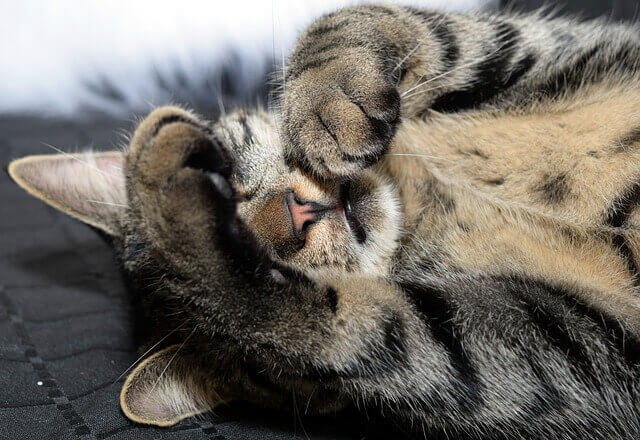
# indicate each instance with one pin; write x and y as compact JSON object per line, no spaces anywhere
{"x":382,"y":242}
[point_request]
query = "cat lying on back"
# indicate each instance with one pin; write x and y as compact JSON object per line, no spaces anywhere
{"x":440,"y":223}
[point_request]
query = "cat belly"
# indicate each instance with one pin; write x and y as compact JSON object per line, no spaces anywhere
{"x":549,"y":194}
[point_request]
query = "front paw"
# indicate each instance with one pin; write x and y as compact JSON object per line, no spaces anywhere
{"x":340,"y":118}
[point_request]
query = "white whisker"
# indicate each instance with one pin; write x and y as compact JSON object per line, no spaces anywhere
{"x":419,"y":155}
{"x":166,"y":367}
{"x":429,"y":34}
{"x":107,"y":203}
{"x":221,"y":107}
{"x":412,"y":51}
{"x":420,"y":92}
{"x":284,"y":71}
{"x":465,"y":65}
{"x":147,"y":352}
{"x":84,"y":162}
{"x":470,"y":63}
{"x":406,"y":57}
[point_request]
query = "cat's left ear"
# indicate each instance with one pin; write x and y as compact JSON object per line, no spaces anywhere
{"x":169,"y":386}
{"x":87,"y":186}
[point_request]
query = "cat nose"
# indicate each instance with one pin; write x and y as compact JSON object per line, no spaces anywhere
{"x":303,"y":213}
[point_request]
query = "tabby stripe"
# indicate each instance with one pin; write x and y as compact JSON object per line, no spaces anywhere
{"x":170,"y":120}
{"x":313,"y":49}
{"x":440,"y":318}
{"x":321,"y":31}
{"x":571,"y":76}
{"x":548,"y":399}
{"x":368,"y":159}
{"x":395,"y":342}
{"x":320,"y":50}
{"x":295,"y":73}
{"x":521,"y":69}
{"x":378,"y":358}
{"x":628,"y":140}
{"x":618,"y":336}
{"x":613,"y":330}
{"x":557,"y":333}
{"x":616,"y":217}
{"x":442,"y":33}
{"x":490,"y":76}
{"x":332,"y":299}
{"x":627,"y":58}
{"x":449,"y":46}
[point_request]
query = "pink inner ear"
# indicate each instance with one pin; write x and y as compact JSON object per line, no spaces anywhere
{"x":88,"y":186}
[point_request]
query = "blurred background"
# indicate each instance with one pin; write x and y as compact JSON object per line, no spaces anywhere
{"x":76,"y":75}
{"x":78,"y":58}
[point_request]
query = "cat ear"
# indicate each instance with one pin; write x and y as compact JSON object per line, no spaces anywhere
{"x":88,"y":186}
{"x":167,"y":387}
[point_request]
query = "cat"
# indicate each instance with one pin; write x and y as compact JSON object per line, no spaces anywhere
{"x":436,"y":222}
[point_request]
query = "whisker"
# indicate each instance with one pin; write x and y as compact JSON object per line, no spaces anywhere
{"x":107,"y":203}
{"x":471,"y":63}
{"x":148,"y":351}
{"x":296,"y":413}
{"x":420,"y":92}
{"x":429,"y":34}
{"x":306,"y":408}
{"x":84,"y":162}
{"x":284,"y":71}
{"x":411,"y":52}
{"x":462,"y":66}
{"x":166,"y":367}
{"x":221,"y":107}
{"x":419,"y":155}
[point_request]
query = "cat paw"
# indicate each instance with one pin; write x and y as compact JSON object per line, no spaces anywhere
{"x":340,"y":118}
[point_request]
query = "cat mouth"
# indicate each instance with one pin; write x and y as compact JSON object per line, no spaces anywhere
{"x":347,"y":207}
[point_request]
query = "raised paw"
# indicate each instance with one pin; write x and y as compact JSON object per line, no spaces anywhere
{"x":339,"y":118}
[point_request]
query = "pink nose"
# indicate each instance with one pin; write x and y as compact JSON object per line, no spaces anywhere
{"x":303,"y":213}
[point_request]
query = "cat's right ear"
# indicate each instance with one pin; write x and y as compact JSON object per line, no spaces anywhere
{"x":87,"y":186}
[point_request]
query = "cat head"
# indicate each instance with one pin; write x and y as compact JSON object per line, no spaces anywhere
{"x":316,"y":226}
{"x":194,"y":199}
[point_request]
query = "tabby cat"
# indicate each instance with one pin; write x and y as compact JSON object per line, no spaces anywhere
{"x":438,"y":223}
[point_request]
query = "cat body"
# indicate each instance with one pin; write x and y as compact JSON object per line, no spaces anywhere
{"x":438,"y":223}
